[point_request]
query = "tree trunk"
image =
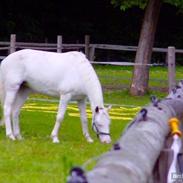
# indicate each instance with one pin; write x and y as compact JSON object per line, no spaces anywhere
{"x":140,"y":78}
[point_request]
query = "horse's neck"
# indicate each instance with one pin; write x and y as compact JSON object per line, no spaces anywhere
{"x":92,"y":84}
{"x":95,"y":94}
{"x":95,"y":99}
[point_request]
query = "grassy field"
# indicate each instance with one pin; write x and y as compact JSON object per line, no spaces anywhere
{"x":36,"y":159}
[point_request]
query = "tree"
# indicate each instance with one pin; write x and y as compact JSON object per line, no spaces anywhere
{"x":140,"y":79}
{"x":139,"y":85}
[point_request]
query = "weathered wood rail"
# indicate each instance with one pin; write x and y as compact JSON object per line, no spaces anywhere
{"x":89,"y":48}
{"x":134,"y":155}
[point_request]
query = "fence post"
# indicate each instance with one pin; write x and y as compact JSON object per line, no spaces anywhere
{"x":12,"y":43}
{"x":91,"y":53}
{"x":59,"y":44}
{"x":171,"y":67}
{"x":87,"y":45}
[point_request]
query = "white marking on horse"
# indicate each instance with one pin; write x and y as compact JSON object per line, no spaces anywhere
{"x":69,"y":76}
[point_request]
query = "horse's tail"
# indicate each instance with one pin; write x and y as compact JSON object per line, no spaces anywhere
{"x":1,"y":96}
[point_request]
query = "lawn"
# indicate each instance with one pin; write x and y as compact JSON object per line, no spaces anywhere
{"x":36,"y":159}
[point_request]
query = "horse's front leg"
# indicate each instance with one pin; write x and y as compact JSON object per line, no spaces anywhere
{"x":84,"y":121}
{"x":64,"y":99}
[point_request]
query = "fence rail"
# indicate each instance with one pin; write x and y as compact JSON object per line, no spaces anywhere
{"x":134,"y":156}
{"x":88,"y":47}
{"x":90,"y":51}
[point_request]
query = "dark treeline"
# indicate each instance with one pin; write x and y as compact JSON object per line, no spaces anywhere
{"x":37,"y":20}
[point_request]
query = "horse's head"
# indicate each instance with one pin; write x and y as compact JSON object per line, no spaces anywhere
{"x":101,"y":124}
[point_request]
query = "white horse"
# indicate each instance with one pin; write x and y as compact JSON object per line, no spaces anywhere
{"x":69,"y":76}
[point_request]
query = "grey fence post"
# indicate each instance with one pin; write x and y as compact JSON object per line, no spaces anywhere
{"x":12,"y":43}
{"x":59,"y":44}
{"x":171,"y":67}
{"x":92,"y":53}
{"x":87,"y":45}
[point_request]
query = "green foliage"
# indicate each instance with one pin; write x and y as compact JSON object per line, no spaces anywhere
{"x":125,"y":4}
{"x":177,"y":3}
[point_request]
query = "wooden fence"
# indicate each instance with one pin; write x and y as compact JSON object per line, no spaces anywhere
{"x":13,"y":45}
{"x":90,"y":50}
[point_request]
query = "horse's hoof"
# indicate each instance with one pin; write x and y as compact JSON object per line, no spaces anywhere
{"x":18,"y":137}
{"x":90,"y":140}
{"x":55,"y":140}
{"x":11,"y":136}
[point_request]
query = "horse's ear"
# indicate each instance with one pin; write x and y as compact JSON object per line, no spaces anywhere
{"x":109,"y":108}
{"x":97,"y":109}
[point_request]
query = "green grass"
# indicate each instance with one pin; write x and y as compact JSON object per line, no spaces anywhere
{"x":36,"y":159}
{"x":116,"y":75}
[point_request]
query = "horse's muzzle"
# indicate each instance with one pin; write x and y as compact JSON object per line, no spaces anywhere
{"x":105,"y":139}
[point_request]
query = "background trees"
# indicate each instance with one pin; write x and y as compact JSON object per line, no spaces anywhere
{"x":36,"y":20}
{"x":42,"y":20}
{"x":140,"y":78}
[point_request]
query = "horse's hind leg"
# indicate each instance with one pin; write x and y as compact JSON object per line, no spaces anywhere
{"x":64,"y":99}
{"x":8,"y":102}
{"x":21,"y":96}
{"x":84,"y":121}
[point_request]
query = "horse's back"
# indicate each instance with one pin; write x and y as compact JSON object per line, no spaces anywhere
{"x":31,"y":60}
{"x":45,"y":70}
{"x":35,"y":57}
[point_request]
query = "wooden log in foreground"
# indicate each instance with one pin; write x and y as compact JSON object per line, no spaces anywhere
{"x":134,"y":156}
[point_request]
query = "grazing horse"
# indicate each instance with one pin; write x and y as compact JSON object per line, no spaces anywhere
{"x":68,"y":76}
